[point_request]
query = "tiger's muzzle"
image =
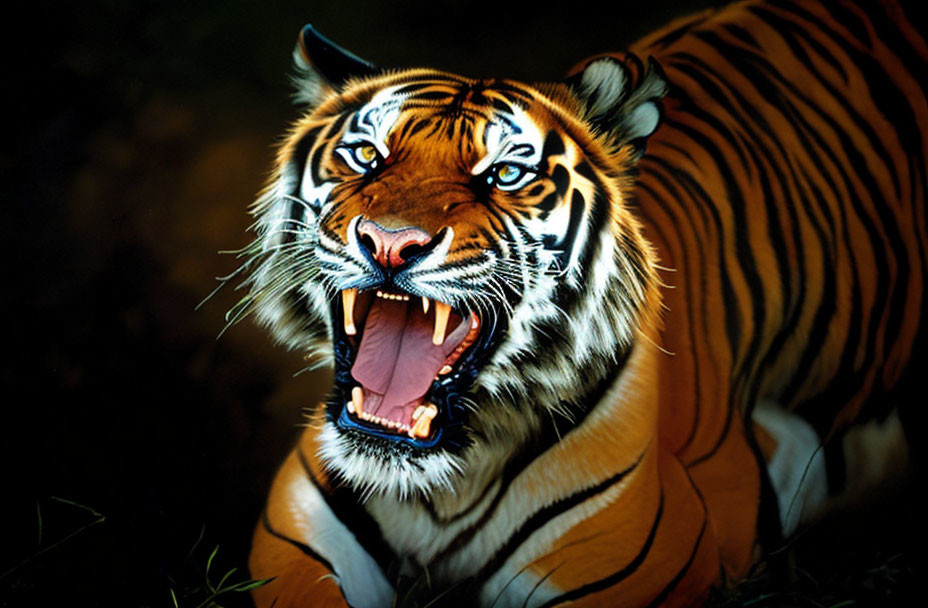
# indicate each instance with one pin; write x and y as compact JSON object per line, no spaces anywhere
{"x":404,"y":358}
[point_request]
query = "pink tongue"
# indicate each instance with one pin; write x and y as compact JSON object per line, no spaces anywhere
{"x":397,"y":358}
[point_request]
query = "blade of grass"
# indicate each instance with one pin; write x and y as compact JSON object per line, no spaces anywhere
{"x":99,"y":519}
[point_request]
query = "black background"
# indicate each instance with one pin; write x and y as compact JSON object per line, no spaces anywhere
{"x":137,"y":135}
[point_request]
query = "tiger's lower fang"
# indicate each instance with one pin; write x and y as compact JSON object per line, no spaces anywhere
{"x":357,"y":399}
{"x":423,"y":426}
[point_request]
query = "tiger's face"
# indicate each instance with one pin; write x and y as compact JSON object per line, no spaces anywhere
{"x":462,"y":252}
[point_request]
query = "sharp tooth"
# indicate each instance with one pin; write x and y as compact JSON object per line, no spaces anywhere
{"x":445,"y":369}
{"x":474,"y":323}
{"x":348,"y":296}
{"x":422,"y":427}
{"x":442,"y":311}
{"x":350,"y":407}
{"x":418,"y":412}
{"x":379,"y":294}
{"x":357,"y":398}
{"x":425,"y":305}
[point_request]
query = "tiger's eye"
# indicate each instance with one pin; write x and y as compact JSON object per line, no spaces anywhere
{"x":508,"y":173}
{"x":367,"y":154}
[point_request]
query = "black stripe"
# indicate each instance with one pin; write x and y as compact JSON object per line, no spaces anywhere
{"x":548,"y":436}
{"x":298,"y":159}
{"x":315,"y":157}
{"x":741,"y":34}
{"x":657,"y":601}
{"x":301,"y":155}
{"x":674,"y":35}
{"x":789,"y":31}
{"x":412,"y":88}
{"x":568,"y":242}
{"x":553,"y":146}
{"x":347,"y":507}
{"x":596,"y":222}
{"x":303,"y":547}
{"x":541,"y":517}
{"x":616,"y":577}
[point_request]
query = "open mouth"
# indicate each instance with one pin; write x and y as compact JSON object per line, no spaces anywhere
{"x":399,"y":363}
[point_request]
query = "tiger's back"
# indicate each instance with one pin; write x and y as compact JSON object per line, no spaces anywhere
{"x":770,"y":266}
{"x":792,"y":153}
{"x":786,"y":189}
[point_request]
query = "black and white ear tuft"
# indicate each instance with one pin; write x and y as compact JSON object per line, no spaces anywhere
{"x":622,"y":99}
{"x":323,"y":67}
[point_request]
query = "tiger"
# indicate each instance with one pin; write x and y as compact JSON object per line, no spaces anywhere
{"x":601,"y":341}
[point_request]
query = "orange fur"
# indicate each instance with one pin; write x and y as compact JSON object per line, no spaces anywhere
{"x":717,"y":332}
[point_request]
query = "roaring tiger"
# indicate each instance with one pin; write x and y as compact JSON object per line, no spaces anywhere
{"x":567,"y":371}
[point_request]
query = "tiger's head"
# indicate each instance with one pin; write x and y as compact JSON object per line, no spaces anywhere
{"x":461,"y":251}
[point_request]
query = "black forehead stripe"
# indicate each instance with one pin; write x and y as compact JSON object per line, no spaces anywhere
{"x":501,"y":97}
{"x":501,"y":105}
{"x":469,"y":112}
{"x":520,"y":96}
{"x":466,"y":128}
{"x":412,"y":127}
{"x":431,"y":94}
{"x":338,"y":124}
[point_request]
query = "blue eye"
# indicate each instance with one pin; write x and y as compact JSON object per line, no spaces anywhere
{"x":509,"y":176}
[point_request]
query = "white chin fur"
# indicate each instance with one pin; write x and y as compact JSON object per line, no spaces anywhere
{"x":390,"y":475}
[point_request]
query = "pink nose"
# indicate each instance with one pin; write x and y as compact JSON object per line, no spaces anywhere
{"x":391,"y":248}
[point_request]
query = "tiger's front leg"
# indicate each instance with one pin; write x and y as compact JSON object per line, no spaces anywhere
{"x":314,"y":559}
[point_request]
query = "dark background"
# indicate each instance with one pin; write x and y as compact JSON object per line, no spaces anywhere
{"x":133,"y":441}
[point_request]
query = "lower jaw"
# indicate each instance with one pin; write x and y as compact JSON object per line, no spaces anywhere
{"x":432,"y":411}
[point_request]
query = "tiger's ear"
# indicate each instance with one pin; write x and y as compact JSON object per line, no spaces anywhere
{"x":621,"y":99}
{"x":323,"y":67}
